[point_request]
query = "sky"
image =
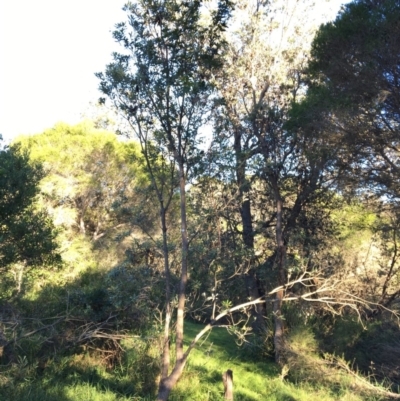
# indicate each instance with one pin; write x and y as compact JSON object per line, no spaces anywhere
{"x":49,"y":52}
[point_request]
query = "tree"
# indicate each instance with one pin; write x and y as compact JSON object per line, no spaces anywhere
{"x":354,"y":76}
{"x":88,"y":176}
{"x":163,"y":86}
{"x":261,"y":82}
{"x":353,"y":104}
{"x":28,"y":237}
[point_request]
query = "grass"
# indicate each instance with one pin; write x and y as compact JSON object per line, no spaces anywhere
{"x":255,"y":379}
{"x":214,"y":355}
{"x":83,"y":377}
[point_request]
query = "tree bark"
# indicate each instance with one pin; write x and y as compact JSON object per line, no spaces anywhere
{"x":167,"y":384}
{"x":166,"y":354}
{"x":280,"y":266}
{"x":184,"y":268}
{"x":248,"y":232}
{"x":227,"y":378}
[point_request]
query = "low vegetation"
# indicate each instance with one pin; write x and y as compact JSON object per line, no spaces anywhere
{"x":130,"y":370}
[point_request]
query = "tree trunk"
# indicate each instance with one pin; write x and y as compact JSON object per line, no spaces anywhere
{"x":165,"y":358}
{"x":82,"y":227}
{"x":279,"y":337}
{"x":168,"y":382}
{"x":250,"y":276}
{"x":248,"y":232}
{"x":166,"y":349}
{"x":280,"y":266}
{"x":227,"y":378}
{"x":184,"y":268}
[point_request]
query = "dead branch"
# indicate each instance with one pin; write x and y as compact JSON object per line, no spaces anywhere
{"x":219,"y":317}
{"x":363,"y":382}
{"x":31,"y":333}
{"x":85,"y":331}
{"x":331,"y":293}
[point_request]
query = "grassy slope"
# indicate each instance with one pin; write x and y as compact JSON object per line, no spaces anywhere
{"x":253,"y":380}
{"x":81,"y":377}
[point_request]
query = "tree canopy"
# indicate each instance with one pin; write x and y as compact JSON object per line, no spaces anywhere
{"x":354,"y":73}
{"x":27,"y":233}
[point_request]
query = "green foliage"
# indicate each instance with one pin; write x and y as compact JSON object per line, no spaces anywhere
{"x":89,"y":175}
{"x":373,"y":348}
{"x":27,"y":234}
{"x":19,"y":182}
{"x":354,"y":223}
{"x":358,"y":50}
{"x":162,"y":81}
{"x":89,"y":184}
{"x":354,"y":92}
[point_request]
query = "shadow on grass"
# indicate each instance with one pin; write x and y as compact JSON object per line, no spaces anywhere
{"x":220,"y":344}
{"x":217,"y":352}
{"x":42,"y":365}
{"x":68,"y":377}
{"x":75,"y":383}
{"x":33,"y":393}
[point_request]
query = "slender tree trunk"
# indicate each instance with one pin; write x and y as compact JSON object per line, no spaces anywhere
{"x":248,"y":232}
{"x":184,"y":268}
{"x":251,"y":276}
{"x":82,"y":228}
{"x":165,"y":358}
{"x":168,"y":384}
{"x":166,"y":349}
{"x":280,"y":266}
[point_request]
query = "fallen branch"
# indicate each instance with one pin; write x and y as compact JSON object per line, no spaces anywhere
{"x":362,"y":381}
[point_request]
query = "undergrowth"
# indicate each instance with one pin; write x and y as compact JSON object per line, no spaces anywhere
{"x":86,"y":373}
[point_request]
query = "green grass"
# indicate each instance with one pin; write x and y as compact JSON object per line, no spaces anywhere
{"x":82,"y":377}
{"x":254,"y":380}
{"x":214,"y":355}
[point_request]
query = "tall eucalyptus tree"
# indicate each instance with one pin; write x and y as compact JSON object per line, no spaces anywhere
{"x":268,"y":47}
{"x":162,"y":83}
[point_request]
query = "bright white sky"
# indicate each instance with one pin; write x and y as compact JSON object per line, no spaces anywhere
{"x":49,"y":52}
